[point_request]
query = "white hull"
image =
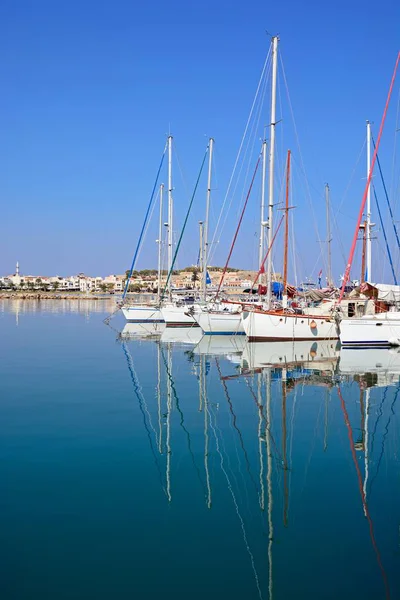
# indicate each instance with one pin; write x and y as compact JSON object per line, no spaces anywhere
{"x":264,"y":326}
{"x":175,"y":316}
{"x":379,"y":331}
{"x":142,"y":314}
{"x":220,"y":323}
{"x":314,"y":355}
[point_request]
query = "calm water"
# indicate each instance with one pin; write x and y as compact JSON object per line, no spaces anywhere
{"x":137,"y":467}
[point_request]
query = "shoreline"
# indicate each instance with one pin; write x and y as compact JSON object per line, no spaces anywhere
{"x":53,"y":296}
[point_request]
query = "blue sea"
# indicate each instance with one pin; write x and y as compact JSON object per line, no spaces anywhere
{"x":148,"y":464}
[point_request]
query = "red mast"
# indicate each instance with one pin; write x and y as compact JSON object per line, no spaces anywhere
{"x":360,"y":214}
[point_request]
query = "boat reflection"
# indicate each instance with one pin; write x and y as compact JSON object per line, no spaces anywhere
{"x":373,"y":367}
{"x":307,"y":355}
{"x":231,"y":346}
{"x":239,"y":436}
{"x":142,"y":330}
{"x":182,"y":335}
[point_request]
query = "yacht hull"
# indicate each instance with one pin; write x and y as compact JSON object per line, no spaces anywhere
{"x":273,"y":327}
{"x":377,"y":331}
{"x":142,"y":314}
{"x":223,"y":323}
{"x":175,"y":316}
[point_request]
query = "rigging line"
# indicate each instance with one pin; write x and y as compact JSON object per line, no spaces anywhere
{"x":185,"y":223}
{"x":237,"y":229}
{"x":142,"y":403}
{"x":371,"y":170}
{"x":384,"y":439}
{"x":144,"y":225}
{"x":380,"y":413}
{"x":176,"y":154}
{"x":182,"y":421}
{"x":247,"y":153}
{"x":241,"y":144}
{"x":234,"y":418}
{"x":230,"y":488}
{"x":308,"y":192}
{"x":396,"y":130}
{"x":384,"y":234}
{"x":267,"y":425}
{"x":360,"y":485}
{"x":267,"y":253}
{"x":346,"y":191}
{"x":386,"y":195}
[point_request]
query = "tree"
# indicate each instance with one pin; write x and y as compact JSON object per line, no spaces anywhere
{"x":21,"y":285}
{"x":56,"y":285}
{"x":38,"y":283}
{"x":103,"y":287}
{"x":195,"y":276}
{"x":110,"y":287}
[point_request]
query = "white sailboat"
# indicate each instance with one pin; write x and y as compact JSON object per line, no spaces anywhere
{"x":150,"y":312}
{"x":383,"y":328}
{"x":273,"y":325}
{"x":177,"y":313}
{"x":221,"y":317}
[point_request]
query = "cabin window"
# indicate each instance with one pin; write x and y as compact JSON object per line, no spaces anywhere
{"x":360,"y":310}
{"x":351,"y":309}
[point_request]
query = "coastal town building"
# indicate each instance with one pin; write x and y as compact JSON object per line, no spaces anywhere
{"x":235,"y":281}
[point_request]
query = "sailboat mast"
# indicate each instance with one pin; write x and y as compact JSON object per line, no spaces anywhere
{"x":364,"y":228}
{"x":170,"y":214}
{"x":160,"y":226}
{"x":201,"y":250}
{"x":271,"y":166}
{"x":328,"y":235}
{"x":262,"y":216}
{"x":285,"y":255}
{"x":367,"y":275}
{"x":205,"y":247}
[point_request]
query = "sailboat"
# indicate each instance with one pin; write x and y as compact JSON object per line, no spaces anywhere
{"x":284,"y":324}
{"x":223,"y":317}
{"x":381,"y":329}
{"x":150,"y":312}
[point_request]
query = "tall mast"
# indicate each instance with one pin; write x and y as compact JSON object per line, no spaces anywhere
{"x":364,"y":228}
{"x":160,"y":226}
{"x":328,"y":235}
{"x":271,"y":166}
{"x":201,"y":257}
{"x":205,"y":247}
{"x":262,"y":216}
{"x":170,"y":215}
{"x":285,"y":255}
{"x":367,"y":273}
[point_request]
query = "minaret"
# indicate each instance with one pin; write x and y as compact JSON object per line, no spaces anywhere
{"x":17,"y":268}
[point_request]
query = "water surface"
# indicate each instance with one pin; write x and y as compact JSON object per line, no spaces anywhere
{"x":148,"y":466}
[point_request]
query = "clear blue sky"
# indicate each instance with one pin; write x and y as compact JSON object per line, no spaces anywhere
{"x":89,"y":90}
